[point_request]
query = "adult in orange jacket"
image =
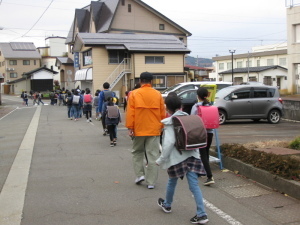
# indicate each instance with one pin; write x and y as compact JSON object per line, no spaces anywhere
{"x":145,"y":110}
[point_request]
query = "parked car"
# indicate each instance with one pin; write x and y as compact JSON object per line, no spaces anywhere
{"x":254,"y":102}
{"x":180,"y":87}
{"x":189,"y":97}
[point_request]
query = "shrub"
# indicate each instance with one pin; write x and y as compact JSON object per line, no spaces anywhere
{"x":283,"y":166}
{"x":295,"y":144}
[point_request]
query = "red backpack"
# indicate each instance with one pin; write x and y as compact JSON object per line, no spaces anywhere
{"x":87,"y":98}
{"x":209,"y":116}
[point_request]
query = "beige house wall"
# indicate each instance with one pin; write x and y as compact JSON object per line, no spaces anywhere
{"x":20,"y":68}
{"x":293,"y":19}
{"x":174,"y":63}
{"x":141,"y":20}
{"x":2,"y":67}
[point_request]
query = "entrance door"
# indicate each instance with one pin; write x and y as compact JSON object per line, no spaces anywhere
{"x":278,"y":83}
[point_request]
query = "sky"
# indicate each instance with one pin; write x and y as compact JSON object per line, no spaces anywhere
{"x":217,"y":26}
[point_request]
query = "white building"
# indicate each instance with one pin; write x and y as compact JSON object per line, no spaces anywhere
{"x":55,"y":47}
{"x":293,"y":45}
{"x":266,"y":64}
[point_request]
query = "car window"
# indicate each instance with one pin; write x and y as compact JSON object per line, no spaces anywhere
{"x":189,"y":95}
{"x":271,"y":92}
{"x":242,"y":94}
{"x":221,"y":86}
{"x":185,"y":87}
{"x":262,"y":93}
{"x":170,"y":89}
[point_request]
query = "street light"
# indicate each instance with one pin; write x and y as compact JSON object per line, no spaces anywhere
{"x":232,"y":51}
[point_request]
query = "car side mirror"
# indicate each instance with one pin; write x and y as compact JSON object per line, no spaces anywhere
{"x":234,"y":97}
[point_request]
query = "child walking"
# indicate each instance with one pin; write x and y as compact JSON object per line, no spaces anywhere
{"x":202,"y":94}
{"x":87,"y":105}
{"x":112,"y":119}
{"x":179,"y":165}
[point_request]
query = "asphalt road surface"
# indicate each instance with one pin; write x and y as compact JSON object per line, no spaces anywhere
{"x":54,"y":171}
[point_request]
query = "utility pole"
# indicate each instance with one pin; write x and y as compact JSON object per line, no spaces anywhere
{"x":232,"y":51}
{"x":248,"y":65}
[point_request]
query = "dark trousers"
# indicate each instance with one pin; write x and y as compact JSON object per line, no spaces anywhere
{"x":103,"y":120}
{"x":204,"y":155}
{"x":112,"y":132}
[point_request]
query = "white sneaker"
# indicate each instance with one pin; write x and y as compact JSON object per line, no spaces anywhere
{"x":139,"y":180}
{"x":90,"y":119}
{"x":151,"y":186}
{"x":87,"y":121}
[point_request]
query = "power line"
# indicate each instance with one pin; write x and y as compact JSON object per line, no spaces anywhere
{"x":38,"y":19}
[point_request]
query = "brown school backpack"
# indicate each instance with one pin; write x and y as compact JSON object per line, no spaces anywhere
{"x":190,"y":132}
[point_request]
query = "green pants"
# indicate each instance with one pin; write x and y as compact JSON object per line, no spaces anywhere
{"x":149,"y":145}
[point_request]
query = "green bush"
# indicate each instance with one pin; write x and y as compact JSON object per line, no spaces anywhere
{"x":283,"y":166}
{"x":295,"y":144}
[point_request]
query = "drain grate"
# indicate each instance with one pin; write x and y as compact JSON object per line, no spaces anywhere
{"x":245,"y":191}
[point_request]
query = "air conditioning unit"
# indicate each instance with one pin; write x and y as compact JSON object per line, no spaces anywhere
{"x":7,"y":81}
{"x":10,"y":69}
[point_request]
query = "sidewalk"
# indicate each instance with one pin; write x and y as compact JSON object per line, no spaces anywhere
{"x":77,"y":178}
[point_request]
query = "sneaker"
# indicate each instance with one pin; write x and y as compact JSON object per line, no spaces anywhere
{"x":150,"y":186}
{"x":199,"y":220}
{"x":87,"y":121}
{"x":160,"y":203}
{"x":112,"y":144}
{"x":105,"y":132}
{"x":139,"y":180}
{"x":209,"y":181}
{"x":115,"y":143}
{"x":90,"y":119}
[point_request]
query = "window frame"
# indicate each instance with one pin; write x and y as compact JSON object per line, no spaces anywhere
{"x":14,"y":73}
{"x":13,"y":62}
{"x":129,"y":8}
{"x":161,"y":26}
{"x":84,"y":54}
{"x":25,"y":64}
{"x":119,"y":57}
{"x":221,"y":66}
{"x":155,"y":60}
{"x":162,"y":78}
{"x":270,"y":62}
{"x":239,"y":64}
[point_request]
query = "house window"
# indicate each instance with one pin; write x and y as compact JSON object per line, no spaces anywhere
{"x":13,"y":75}
{"x":221,"y":66}
{"x":252,"y":79}
{"x":229,"y":65}
{"x":297,"y":33}
{"x":239,"y":64}
{"x":161,"y":27}
{"x":270,"y":62}
{"x":123,"y":2}
{"x":258,"y":62}
{"x":181,"y":39}
{"x":12,"y":62}
{"x":154,"y":60}
{"x":159,"y":81}
{"x":87,"y":58}
{"x":282,"y":61}
{"x":129,"y":8}
{"x":26,"y":62}
{"x":268,"y":80}
{"x":0,"y":53}
{"x":34,"y":62}
{"x":115,"y":56}
{"x":250,"y":63}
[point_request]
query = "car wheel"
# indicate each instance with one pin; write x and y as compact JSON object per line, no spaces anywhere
{"x":222,"y":117}
{"x":274,"y":116}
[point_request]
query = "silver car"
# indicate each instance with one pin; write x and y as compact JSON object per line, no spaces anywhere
{"x":249,"y":102}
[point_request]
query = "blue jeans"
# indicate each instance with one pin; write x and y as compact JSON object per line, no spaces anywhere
{"x":75,"y":109}
{"x":192,"y":179}
{"x":70,"y":114}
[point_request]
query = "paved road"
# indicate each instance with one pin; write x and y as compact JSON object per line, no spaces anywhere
{"x":58,"y":172}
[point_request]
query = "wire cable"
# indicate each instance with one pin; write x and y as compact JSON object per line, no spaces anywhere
{"x":38,"y":19}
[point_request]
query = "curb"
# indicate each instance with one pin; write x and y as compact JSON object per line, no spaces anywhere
{"x":289,"y":187}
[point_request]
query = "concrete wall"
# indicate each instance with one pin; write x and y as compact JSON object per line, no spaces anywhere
{"x":291,"y":109}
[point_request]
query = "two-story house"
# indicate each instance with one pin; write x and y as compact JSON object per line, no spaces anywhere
{"x":116,"y":40}
{"x":265,"y":64}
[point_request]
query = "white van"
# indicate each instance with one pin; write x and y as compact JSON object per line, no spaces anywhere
{"x":177,"y":88}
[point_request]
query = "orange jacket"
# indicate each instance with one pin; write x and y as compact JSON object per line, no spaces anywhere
{"x":145,"y":110}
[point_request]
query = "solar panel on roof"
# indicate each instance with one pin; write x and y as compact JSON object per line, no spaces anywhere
{"x":17,"y":46}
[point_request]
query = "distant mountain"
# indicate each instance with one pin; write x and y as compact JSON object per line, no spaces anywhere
{"x":202,"y":62}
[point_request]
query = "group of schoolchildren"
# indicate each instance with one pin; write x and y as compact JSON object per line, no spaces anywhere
{"x":36,"y":96}
{"x":81,"y":102}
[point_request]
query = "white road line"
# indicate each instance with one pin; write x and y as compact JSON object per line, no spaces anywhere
{"x":220,"y":213}
{"x":12,"y":196}
{"x":8,"y":113}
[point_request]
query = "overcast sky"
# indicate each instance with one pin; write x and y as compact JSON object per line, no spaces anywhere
{"x":216,"y":25}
